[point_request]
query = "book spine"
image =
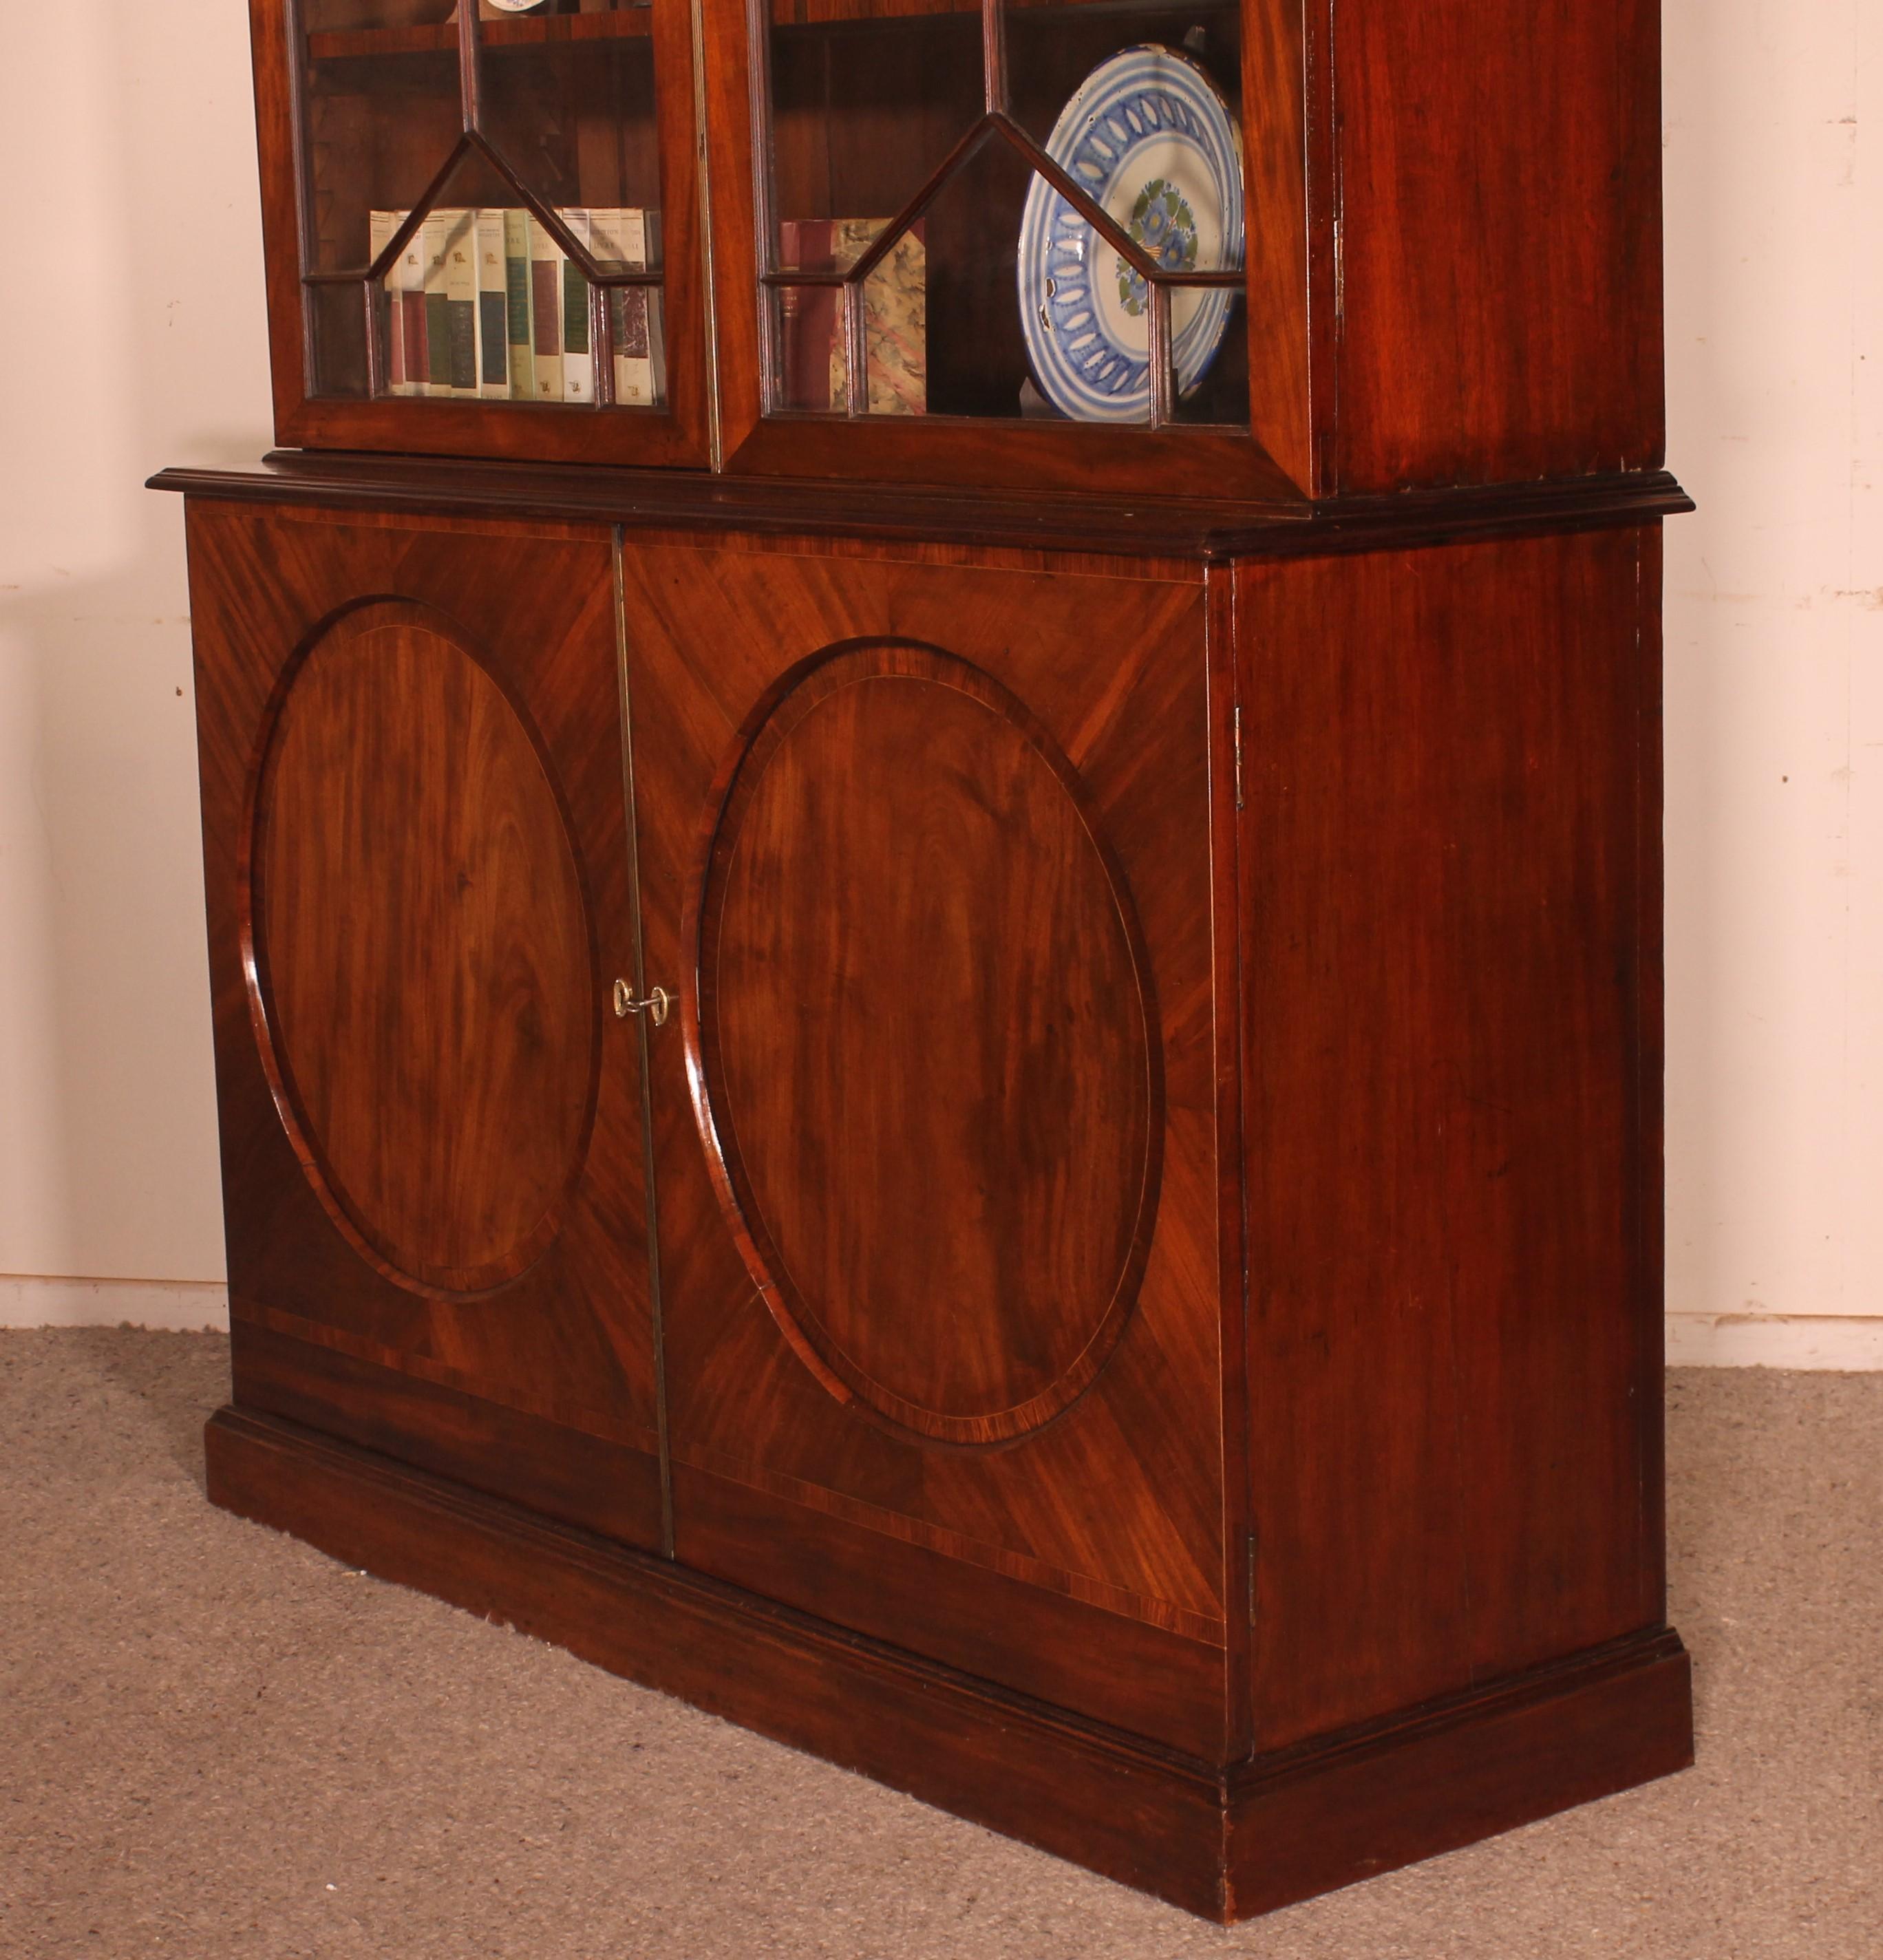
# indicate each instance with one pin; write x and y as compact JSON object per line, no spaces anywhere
{"x":409,"y":296}
{"x":493,"y":323}
{"x":437,"y":373}
{"x":620,"y":242}
{"x":578,"y":356}
{"x":518,"y":314}
{"x":460,"y":292}
{"x":546,"y":307}
{"x":380,"y":227}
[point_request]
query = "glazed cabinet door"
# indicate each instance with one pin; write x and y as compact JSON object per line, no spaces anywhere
{"x":482,"y":225}
{"x":419,"y":894}
{"x":925,"y":855}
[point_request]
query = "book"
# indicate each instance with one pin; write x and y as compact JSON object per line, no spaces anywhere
{"x":546,"y":307}
{"x":493,"y":309}
{"x":629,"y":238}
{"x":408,"y":279}
{"x":518,"y":317}
{"x":380,"y":227}
{"x":460,"y":293}
{"x":437,"y":372}
{"x":894,"y":304}
{"x":578,"y":360}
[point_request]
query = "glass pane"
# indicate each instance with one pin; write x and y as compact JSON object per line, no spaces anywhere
{"x":1219,"y":392}
{"x":813,"y":326}
{"x":1053,"y":50}
{"x":483,"y":302}
{"x":574,"y":119}
{"x":1139,"y":106}
{"x":336,"y":321}
{"x":1003,"y":299}
{"x":380,"y":127}
{"x":862,"y":113}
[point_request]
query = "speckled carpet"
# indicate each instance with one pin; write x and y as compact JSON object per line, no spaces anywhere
{"x":216,"y":1741}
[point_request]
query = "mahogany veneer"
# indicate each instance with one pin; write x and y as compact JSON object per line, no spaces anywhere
{"x":985,"y":1092}
{"x":1134,"y":1253}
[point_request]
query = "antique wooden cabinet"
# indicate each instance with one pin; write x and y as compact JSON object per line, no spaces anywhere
{"x":952,"y":1044}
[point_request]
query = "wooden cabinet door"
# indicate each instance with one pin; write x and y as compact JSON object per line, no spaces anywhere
{"x":419,"y":894}
{"x":924,"y":852}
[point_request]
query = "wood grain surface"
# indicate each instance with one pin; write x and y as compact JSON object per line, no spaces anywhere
{"x":437,"y":1051}
{"x":928,"y":1068}
{"x":1453,"y":1028}
{"x":1040,"y":532}
{"x":424,"y":715}
{"x":1495,"y":175}
{"x":1104,"y":1503}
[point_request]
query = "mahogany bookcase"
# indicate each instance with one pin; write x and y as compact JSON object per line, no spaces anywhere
{"x":979,"y":1088}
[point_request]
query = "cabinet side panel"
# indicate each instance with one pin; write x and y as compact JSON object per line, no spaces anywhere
{"x":1453,"y":1047}
{"x":1500,"y":275}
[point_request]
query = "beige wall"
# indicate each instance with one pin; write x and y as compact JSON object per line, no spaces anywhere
{"x":126,"y":144}
{"x":1774,"y":176}
{"x":152,"y":351}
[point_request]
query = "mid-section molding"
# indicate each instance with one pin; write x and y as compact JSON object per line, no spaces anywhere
{"x":695,"y":500}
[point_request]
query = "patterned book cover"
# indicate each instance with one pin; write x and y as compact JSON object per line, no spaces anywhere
{"x":629,"y":238}
{"x":895,"y":317}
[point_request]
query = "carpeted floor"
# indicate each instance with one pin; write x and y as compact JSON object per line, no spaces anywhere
{"x":215,"y":1741}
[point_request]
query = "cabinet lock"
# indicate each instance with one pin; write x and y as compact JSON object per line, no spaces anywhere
{"x":655,"y":1005}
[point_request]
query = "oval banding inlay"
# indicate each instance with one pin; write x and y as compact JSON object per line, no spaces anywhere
{"x":423,"y":960}
{"x":924,"y":1032}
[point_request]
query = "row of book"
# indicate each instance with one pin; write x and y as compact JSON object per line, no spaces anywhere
{"x":484,"y":303}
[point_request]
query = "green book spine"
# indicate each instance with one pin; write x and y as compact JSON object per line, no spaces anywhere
{"x":461,"y":291}
{"x":578,"y":366}
{"x":522,"y":340}
{"x":493,"y":320}
{"x":437,"y":306}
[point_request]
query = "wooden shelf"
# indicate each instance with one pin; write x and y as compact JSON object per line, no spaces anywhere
{"x":633,"y":23}
{"x":637,"y":23}
{"x":833,"y":13}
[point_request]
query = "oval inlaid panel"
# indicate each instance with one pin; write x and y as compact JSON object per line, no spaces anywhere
{"x":924,"y":1024}
{"x":423,"y":954}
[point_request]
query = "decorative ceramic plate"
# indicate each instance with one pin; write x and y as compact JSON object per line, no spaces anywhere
{"x":1149,"y":136}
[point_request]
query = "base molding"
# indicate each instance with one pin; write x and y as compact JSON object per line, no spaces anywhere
{"x":1225,"y":1843}
{"x":1851,"y":1342}
{"x":168,"y":1306}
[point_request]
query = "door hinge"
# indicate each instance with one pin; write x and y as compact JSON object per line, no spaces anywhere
{"x":1236,"y":724}
{"x":1251,"y":1550}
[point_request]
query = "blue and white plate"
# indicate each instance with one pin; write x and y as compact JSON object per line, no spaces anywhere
{"x":1150,"y":138}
